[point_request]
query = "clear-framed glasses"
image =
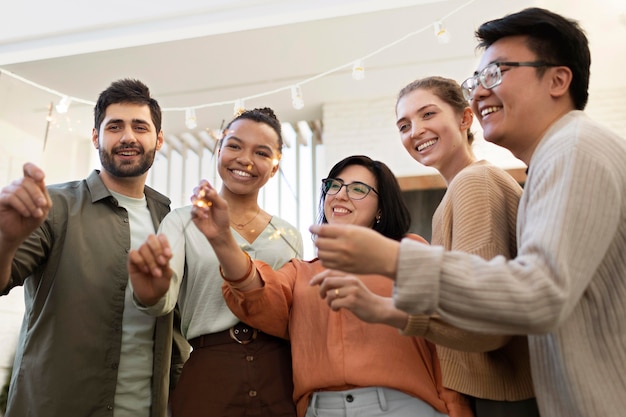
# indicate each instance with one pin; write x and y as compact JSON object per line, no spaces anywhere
{"x":491,"y":76}
{"x":356,"y":190}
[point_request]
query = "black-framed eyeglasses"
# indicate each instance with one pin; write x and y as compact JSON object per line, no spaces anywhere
{"x":356,"y":190}
{"x":491,"y":76}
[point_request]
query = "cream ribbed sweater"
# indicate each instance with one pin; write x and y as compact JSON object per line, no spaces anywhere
{"x":566,"y":287}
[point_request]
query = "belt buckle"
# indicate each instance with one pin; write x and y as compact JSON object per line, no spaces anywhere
{"x":238,"y":330}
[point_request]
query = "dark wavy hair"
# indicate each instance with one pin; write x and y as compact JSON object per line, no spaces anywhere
{"x":553,"y":38}
{"x":395,"y":219}
{"x":127,"y":91}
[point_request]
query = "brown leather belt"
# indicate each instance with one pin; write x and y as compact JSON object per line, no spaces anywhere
{"x":240,"y":333}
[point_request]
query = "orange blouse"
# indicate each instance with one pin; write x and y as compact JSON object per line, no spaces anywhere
{"x":335,"y":350}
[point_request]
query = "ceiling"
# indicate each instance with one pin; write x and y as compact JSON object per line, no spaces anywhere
{"x":209,"y":54}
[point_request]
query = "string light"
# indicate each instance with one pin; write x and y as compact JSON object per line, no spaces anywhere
{"x":358,"y":70}
{"x":190,"y":119}
{"x":296,"y":94}
{"x":442,"y":34}
{"x":64,"y":105}
{"x":296,"y":97}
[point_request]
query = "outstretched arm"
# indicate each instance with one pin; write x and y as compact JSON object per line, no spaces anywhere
{"x":24,"y":205}
{"x":347,"y":291}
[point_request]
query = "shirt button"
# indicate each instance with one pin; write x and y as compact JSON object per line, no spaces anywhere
{"x":349,"y":398}
{"x":109,"y":407}
{"x":249,"y":358}
{"x":252,"y":393}
{"x":125,"y":220}
{"x":114,"y":366}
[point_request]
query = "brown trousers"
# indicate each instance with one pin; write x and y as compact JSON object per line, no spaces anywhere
{"x":224,"y":378}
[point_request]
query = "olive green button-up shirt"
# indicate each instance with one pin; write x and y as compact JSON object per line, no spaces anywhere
{"x":73,"y":269}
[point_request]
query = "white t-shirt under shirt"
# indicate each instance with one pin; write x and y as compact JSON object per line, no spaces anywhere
{"x":133,"y":393}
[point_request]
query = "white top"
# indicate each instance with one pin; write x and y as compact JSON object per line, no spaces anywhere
{"x":132,"y":394}
{"x":199,"y":291}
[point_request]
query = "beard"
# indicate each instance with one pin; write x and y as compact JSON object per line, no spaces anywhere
{"x":125,"y":169}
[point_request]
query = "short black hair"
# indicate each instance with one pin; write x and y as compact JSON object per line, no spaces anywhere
{"x":127,"y":91}
{"x":553,"y":38}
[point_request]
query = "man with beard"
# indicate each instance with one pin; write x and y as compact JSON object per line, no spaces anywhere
{"x":84,"y":350}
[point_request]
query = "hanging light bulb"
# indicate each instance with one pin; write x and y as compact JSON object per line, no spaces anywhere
{"x":442,"y":34}
{"x":358,"y":70}
{"x":64,"y":105}
{"x":239,"y":107}
{"x":296,"y":97}
{"x":190,"y":118}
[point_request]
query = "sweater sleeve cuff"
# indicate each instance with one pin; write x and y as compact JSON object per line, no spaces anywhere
{"x":416,"y":325}
{"x":416,"y":289}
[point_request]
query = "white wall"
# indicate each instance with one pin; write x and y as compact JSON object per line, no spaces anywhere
{"x":62,"y":159}
{"x":11,"y":312}
{"x":13,"y":151}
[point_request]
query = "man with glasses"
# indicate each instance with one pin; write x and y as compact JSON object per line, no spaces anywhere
{"x":567,"y":286}
{"x":491,"y":76}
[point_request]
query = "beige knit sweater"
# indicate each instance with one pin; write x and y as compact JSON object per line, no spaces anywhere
{"x":478,"y":215}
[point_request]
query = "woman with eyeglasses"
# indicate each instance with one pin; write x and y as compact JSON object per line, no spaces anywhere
{"x":342,"y":366}
{"x":477,"y":215}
